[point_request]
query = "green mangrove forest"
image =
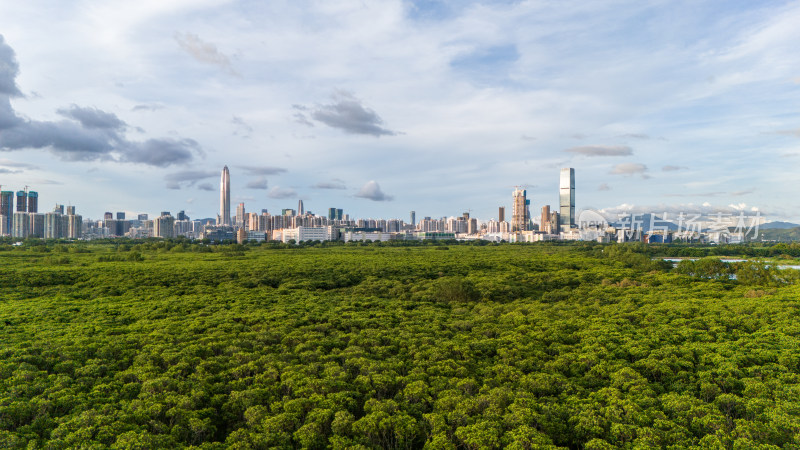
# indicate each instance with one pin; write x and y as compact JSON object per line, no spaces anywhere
{"x":174,"y":344}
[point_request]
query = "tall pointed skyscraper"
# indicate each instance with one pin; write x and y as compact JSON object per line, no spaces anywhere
{"x":301,"y":211}
{"x":225,"y":198}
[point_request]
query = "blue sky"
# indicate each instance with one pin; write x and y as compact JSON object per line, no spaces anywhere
{"x":387,"y":106}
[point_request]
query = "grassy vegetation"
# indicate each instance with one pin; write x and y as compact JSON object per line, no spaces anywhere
{"x":459,"y":346}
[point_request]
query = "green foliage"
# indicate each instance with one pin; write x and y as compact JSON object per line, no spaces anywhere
{"x":455,"y":289}
{"x":174,"y":344}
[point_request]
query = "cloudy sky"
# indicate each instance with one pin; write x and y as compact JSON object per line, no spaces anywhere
{"x":381,"y":107}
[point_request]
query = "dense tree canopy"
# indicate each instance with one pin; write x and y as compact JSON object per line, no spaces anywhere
{"x":178,"y":344}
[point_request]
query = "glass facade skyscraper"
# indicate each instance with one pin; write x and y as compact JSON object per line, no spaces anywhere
{"x":567,"y":198}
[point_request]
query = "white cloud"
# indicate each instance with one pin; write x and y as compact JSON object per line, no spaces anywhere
{"x":601,"y":150}
{"x":258,"y":183}
{"x":715,"y":79}
{"x":372,"y":191}
{"x":629,"y":169}
{"x":278,"y":192}
{"x":204,"y":52}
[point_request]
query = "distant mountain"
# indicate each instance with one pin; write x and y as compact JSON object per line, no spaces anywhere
{"x":778,"y":225}
{"x":779,"y":234}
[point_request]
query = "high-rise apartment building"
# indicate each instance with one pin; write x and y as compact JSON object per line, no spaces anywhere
{"x":566,"y":197}
{"x":74,"y":225}
{"x":21,"y":225}
{"x":6,"y":211}
{"x":519,"y":212}
{"x":112,"y":226}
{"x":240,"y":215}
{"x":225,"y":197}
{"x":472,"y":226}
{"x":37,"y":225}
{"x":53,"y":224}
{"x":544,"y":221}
{"x":164,"y":226}
{"x":33,"y":202}
{"x":22,"y":201}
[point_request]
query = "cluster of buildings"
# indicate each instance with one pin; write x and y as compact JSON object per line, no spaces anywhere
{"x":296,"y":225}
{"x":21,"y":219}
{"x":301,"y":225}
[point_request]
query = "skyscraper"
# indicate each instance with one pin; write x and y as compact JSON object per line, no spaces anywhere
{"x":300,"y":209}
{"x":53,"y":225}
{"x":413,"y":218}
{"x":21,"y":225}
{"x":164,"y":226}
{"x":22,"y":201}
{"x":567,"y":198}
{"x":240,"y":215}
{"x":225,"y":197}
{"x":6,"y":211}
{"x":501,"y":214}
{"x":33,"y":202}
{"x":544,"y":224}
{"x":74,"y":225}
{"x":519,"y":213}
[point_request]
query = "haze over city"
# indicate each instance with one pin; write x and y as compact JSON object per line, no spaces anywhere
{"x":385,"y":107}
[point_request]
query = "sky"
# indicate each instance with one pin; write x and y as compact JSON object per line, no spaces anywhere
{"x":383,"y":107}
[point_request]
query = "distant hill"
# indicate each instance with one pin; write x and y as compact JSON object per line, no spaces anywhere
{"x":779,"y":234}
{"x":778,"y":225}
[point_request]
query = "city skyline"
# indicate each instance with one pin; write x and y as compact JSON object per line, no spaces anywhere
{"x":564,"y":216}
{"x":301,"y":225}
{"x":660,"y":107}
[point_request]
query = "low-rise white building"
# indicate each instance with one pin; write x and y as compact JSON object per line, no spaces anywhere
{"x":301,"y":234}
